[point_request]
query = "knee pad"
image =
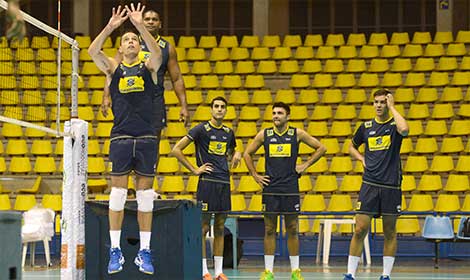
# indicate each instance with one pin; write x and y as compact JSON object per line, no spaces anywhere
{"x":145,"y":200}
{"x":117,"y":199}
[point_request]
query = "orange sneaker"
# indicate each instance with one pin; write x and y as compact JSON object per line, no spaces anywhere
{"x":221,"y":276}
{"x":207,"y":276}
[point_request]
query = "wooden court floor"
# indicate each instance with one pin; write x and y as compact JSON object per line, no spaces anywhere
{"x":250,"y":268}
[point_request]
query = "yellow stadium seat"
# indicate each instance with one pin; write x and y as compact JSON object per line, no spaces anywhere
{"x":302,"y":53}
{"x":317,"y":129}
{"x":442,"y":111}
{"x":404,"y":95}
{"x":457,"y":183}
{"x":332,"y":96}
{"x":281,"y":53}
{"x":391,"y":80}
{"x":390,"y":51}
{"x":5,"y":203}
{"x":313,"y":40}
{"x":325,"y":183}
{"x":430,"y":183}
{"x":452,"y":145}
{"x":447,"y":203}
{"x":311,"y":66}
{"x":172,"y":184}
{"x":435,"y":128}
{"x":266,"y":67}
{"x":223,"y":68}
{"x":416,"y":164}
{"x":40,"y":42}
{"x":334,"y":40}
{"x":466,"y":203}
{"x":207,"y":42}
{"x":228,"y":41}
{"x":368,"y":52}
{"x":459,"y":127}
{"x":9,"y":97}
{"x":412,"y":51}
{"x":356,"y":39}
{"x":244,"y":67}
{"x":443,"y":37}
{"x":249,"y":41}
{"x":424,"y":64}
{"x":427,"y":95}
{"x":318,"y":167}
{"x":41,"y":147}
{"x":407,"y":225}
{"x":345,"y":112}
{"x":201,"y":68}
{"x":248,"y":184}
{"x":187,"y":42}
{"x":11,"y":130}
{"x":231,"y":82}
{"x":421,"y":202}
{"x":322,"y":80}
{"x":313,"y":203}
{"x":321,"y":112}
{"x":408,"y":183}
{"x":246,"y":129}
{"x":256,"y":204}
{"x":442,"y":163}
{"x":463,"y":36}
{"x":249,"y":113}
{"x":16,"y":147}
{"x":103,"y":129}
{"x":368,"y":80}
{"x":341,"y":164}
{"x":418,"y":111}
{"x":415,"y":80}
{"x":86,"y":113}
{"x":463,"y":164}
{"x":20,"y":165}
{"x":44,"y":165}
{"x":180,"y":54}
{"x":5,"y":54}
{"x":46,"y":54}
{"x":451,"y":94}
{"x":175,"y":130}
{"x":378,"y":65}
{"x":211,"y":94}
{"x":24,"y":202}
{"x":219,"y":54}
{"x":325,"y":52}
{"x":456,"y":49}
{"x":438,"y":79}
{"x":260,"y":53}
{"x":289,"y":67}
{"x":24,"y":54}
{"x":355,"y":96}
{"x":426,"y":145}
{"x":29,"y":82}
{"x":8,"y":82}
{"x":331,"y":144}
{"x":356,"y":66}
{"x":366,"y":112}
{"x":261,"y":97}
{"x":434,"y":50}
{"x":308,"y":96}
{"x":406,"y":146}
{"x":254,"y":82}
{"x":300,"y":81}
{"x":401,"y":65}
{"x":239,"y":54}
{"x":465,"y":64}
{"x":260,"y":165}
{"x":333,"y":66}
{"x":399,"y":38}
{"x":209,"y":82}
{"x":378,"y":39}
{"x":350,"y":183}
{"x":447,"y":64}
{"x":26,"y":68}
{"x":298,"y":113}
{"x":168,"y":165}
{"x":340,"y":203}
{"x":460,"y":79}
{"x":13,"y":112}
{"x":347,"y":52}
{"x":96,"y":165}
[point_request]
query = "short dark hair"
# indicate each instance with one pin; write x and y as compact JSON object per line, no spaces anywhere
{"x":282,"y":105}
{"x":382,"y":92}
{"x":220,"y":98}
{"x":150,"y":10}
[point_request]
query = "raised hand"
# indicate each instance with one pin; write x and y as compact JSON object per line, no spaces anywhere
{"x":390,"y":100}
{"x":118,"y":17}
{"x":136,"y":14}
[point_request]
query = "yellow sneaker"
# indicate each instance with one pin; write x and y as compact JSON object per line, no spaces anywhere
{"x":267,"y":275}
{"x":296,"y":275}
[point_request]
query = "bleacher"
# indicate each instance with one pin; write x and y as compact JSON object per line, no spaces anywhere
{"x":327,"y":81}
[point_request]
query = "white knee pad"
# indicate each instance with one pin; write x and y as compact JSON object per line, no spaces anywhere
{"x":117,"y":199}
{"x":145,"y":200}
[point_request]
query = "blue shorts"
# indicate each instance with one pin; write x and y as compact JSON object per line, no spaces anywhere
{"x":281,"y":203}
{"x":133,"y":154}
{"x":378,"y":201}
{"x":214,"y":196}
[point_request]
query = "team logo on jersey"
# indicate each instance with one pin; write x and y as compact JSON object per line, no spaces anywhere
{"x":379,"y":143}
{"x":217,"y":148}
{"x":162,"y":44}
{"x":131,"y":84}
{"x":269,"y":132}
{"x":358,"y":206}
{"x":226,"y":129}
{"x":368,"y":124}
{"x":213,"y":137}
{"x":207,"y":127}
{"x":279,"y":150}
{"x":290,"y":131}
{"x":372,"y":132}
{"x":205,"y":207}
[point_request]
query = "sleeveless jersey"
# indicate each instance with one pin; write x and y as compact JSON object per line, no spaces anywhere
{"x":144,"y":55}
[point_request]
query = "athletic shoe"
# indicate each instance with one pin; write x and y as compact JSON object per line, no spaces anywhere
{"x":296,"y":275}
{"x":348,"y":277}
{"x":207,"y":276}
{"x":267,"y":275}
{"x":384,"y":277}
{"x":221,"y":276}
{"x":144,"y":261}
{"x":116,"y":260}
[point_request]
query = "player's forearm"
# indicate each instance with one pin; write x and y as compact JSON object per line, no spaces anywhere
{"x":180,"y":91}
{"x":316,"y":155}
{"x":178,"y":153}
{"x":355,"y":153}
{"x":249,"y":163}
{"x":402,"y":125}
{"x":97,"y":44}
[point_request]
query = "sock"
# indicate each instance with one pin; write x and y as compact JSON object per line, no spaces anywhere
{"x":388,"y":265}
{"x":269,"y":262}
{"x":294,"y":262}
{"x":204,"y":267}
{"x":353,"y":262}
{"x":218,"y":262}
{"x":115,"y":236}
{"x":145,"y":240}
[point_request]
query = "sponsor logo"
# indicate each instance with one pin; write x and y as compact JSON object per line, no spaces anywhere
{"x":372,"y":132}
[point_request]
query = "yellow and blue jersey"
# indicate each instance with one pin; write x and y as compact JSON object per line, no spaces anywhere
{"x":213,"y":144}
{"x":281,"y":151}
{"x":382,"y":152}
{"x":132,"y":91}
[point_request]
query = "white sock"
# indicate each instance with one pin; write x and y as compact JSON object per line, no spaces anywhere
{"x":115,"y":236}
{"x":218,"y":262}
{"x":294,"y":262}
{"x":388,"y":265}
{"x":145,"y":240}
{"x":204,"y":267}
{"x":269,"y":262}
{"x":353,"y":262}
